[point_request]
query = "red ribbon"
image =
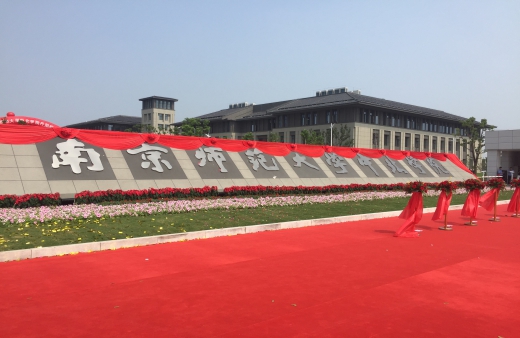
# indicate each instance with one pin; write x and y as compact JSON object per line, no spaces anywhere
{"x":514,"y":203}
{"x":470,"y":207}
{"x":413,"y":214}
{"x":443,"y":203}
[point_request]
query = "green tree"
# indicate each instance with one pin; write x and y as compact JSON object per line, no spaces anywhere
{"x":313,"y":137}
{"x":341,"y":136}
{"x":273,"y":137}
{"x":475,"y":132}
{"x":193,"y":127}
{"x":248,"y":136}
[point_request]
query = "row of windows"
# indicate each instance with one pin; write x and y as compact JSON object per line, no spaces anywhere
{"x":161,"y":117}
{"x":437,"y":144}
{"x":160,"y":104}
{"x":408,"y":122}
{"x":307,"y":119}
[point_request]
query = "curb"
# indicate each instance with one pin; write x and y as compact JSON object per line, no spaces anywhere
{"x":14,"y":255}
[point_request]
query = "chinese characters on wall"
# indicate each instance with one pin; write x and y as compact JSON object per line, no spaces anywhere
{"x":73,"y":153}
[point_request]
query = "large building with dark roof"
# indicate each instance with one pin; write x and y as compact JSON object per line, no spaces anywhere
{"x":374,"y":122}
{"x":114,"y":123}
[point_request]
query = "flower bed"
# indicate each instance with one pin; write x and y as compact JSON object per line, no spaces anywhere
{"x":87,"y":197}
{"x":92,"y":211}
{"x":29,"y":200}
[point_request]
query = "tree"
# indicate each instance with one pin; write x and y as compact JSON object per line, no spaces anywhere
{"x":475,"y":133}
{"x":193,"y":127}
{"x":313,"y":137}
{"x":142,"y":128}
{"x":341,"y":136}
{"x":273,"y":137}
{"x":248,"y":136}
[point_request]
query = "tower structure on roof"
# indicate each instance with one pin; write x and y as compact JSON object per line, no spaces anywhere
{"x":158,"y":111}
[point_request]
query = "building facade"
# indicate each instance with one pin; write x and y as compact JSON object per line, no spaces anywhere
{"x":373,"y":122}
{"x":503,"y":150}
{"x":158,"y":112}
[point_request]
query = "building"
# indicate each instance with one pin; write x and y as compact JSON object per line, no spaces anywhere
{"x":503,"y":150}
{"x":158,"y":112}
{"x":113,"y":123}
{"x":374,"y":122}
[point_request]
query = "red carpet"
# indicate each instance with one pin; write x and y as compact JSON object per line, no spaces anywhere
{"x":342,"y":280}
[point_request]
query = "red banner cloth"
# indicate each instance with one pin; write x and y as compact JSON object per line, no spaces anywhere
{"x":22,"y":134}
{"x":489,"y":199}
{"x":514,"y":203}
{"x":443,"y":203}
{"x":470,"y":207}
{"x":413,"y":214}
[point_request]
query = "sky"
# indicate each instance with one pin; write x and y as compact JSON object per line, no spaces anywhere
{"x":73,"y":61}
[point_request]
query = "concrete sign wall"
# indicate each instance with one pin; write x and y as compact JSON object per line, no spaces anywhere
{"x":69,"y":166}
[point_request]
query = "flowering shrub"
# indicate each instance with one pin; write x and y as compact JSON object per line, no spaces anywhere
{"x":29,"y":200}
{"x":515,"y":183}
{"x":496,"y":183}
{"x":447,"y":186}
{"x":473,"y":184}
{"x":7,"y":201}
{"x":416,"y":186}
{"x":290,"y":190}
{"x":86,"y":197}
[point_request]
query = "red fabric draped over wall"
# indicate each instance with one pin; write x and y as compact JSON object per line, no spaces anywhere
{"x":24,"y":134}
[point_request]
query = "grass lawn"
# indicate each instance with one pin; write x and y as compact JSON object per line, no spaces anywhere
{"x":29,"y":235}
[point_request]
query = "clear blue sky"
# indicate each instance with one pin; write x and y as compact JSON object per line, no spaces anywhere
{"x":72,"y":61}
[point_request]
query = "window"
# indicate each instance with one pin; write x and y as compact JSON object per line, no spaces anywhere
{"x":167,"y":117}
{"x":161,"y":117}
{"x":397,"y":141}
{"x":407,"y":141}
{"x":302,"y":118}
{"x":450,"y":145}
{"x":443,"y":145}
{"x":434,"y":144}
{"x":335,"y":116}
{"x":253,"y":127}
{"x":315,"y":121}
{"x":417,"y":142}
{"x":426,"y":144}
{"x":161,"y":126}
{"x":286,"y":121}
{"x":280,"y":121}
{"x":376,"y":118}
{"x":282,"y":137}
{"x":386,"y":140}
{"x":375,"y":138}
{"x":309,"y":119}
{"x":328,"y":117}
{"x":365,"y":118}
{"x":110,"y":127}
{"x":393,"y":120}
{"x":293,"y":137}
